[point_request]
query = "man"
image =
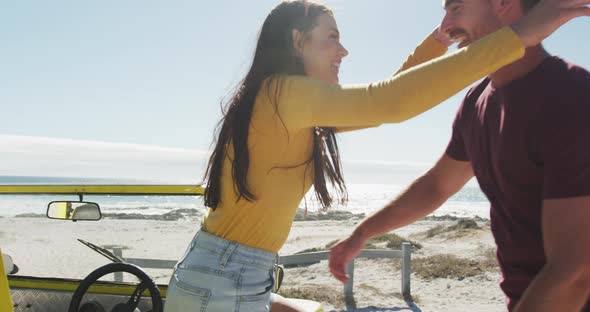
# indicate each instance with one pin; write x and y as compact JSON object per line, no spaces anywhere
{"x":524,"y":133}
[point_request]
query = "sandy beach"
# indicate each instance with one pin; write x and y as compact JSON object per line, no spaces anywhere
{"x":466,"y":281}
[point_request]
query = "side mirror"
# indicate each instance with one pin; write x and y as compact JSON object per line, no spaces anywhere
{"x":9,"y":266}
{"x":75,"y":211}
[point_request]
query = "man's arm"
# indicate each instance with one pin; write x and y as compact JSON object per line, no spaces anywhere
{"x":423,"y":196}
{"x":564,"y":282}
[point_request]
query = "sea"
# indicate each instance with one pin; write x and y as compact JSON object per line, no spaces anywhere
{"x":469,"y":202}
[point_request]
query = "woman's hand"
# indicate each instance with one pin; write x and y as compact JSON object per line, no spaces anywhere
{"x":442,"y":37}
{"x":546,"y":17}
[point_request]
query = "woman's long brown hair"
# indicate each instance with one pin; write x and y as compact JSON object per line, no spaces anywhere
{"x":274,"y":56}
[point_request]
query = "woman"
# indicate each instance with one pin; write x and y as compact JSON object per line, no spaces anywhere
{"x":276,"y":140}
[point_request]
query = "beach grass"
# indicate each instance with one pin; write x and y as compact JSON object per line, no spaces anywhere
{"x":392,"y":241}
{"x":319,"y":293}
{"x":461,"y":228}
{"x":449,"y":266}
{"x":489,"y":260}
{"x":389,"y":241}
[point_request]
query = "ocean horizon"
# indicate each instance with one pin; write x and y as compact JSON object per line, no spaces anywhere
{"x":365,"y":198}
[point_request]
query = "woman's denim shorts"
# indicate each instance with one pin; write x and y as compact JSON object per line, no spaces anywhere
{"x":216,"y":274}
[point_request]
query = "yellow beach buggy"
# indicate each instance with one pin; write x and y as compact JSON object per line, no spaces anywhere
{"x":97,"y":287}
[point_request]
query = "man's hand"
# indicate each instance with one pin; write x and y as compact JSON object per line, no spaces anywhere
{"x":442,"y":37}
{"x":423,"y":196}
{"x":342,"y":253}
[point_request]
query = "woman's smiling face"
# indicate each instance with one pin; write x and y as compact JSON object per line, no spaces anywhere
{"x":321,"y":50}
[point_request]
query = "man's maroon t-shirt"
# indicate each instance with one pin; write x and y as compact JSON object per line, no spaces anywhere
{"x":527,"y":141}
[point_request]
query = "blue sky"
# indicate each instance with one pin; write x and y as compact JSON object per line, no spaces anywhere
{"x":149,"y":75}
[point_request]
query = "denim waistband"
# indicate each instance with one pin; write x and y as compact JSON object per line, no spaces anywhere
{"x":234,"y":250}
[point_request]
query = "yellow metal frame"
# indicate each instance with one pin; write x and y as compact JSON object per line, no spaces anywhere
{"x":99,"y":287}
{"x":195,"y":190}
{"x":5,"y":299}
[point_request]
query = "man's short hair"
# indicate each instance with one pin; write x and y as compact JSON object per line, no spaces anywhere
{"x":528,"y":4}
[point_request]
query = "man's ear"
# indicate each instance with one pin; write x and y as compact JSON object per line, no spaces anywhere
{"x":298,"y":42}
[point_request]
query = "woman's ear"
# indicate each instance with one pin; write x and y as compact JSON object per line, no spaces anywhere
{"x":298,"y":42}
